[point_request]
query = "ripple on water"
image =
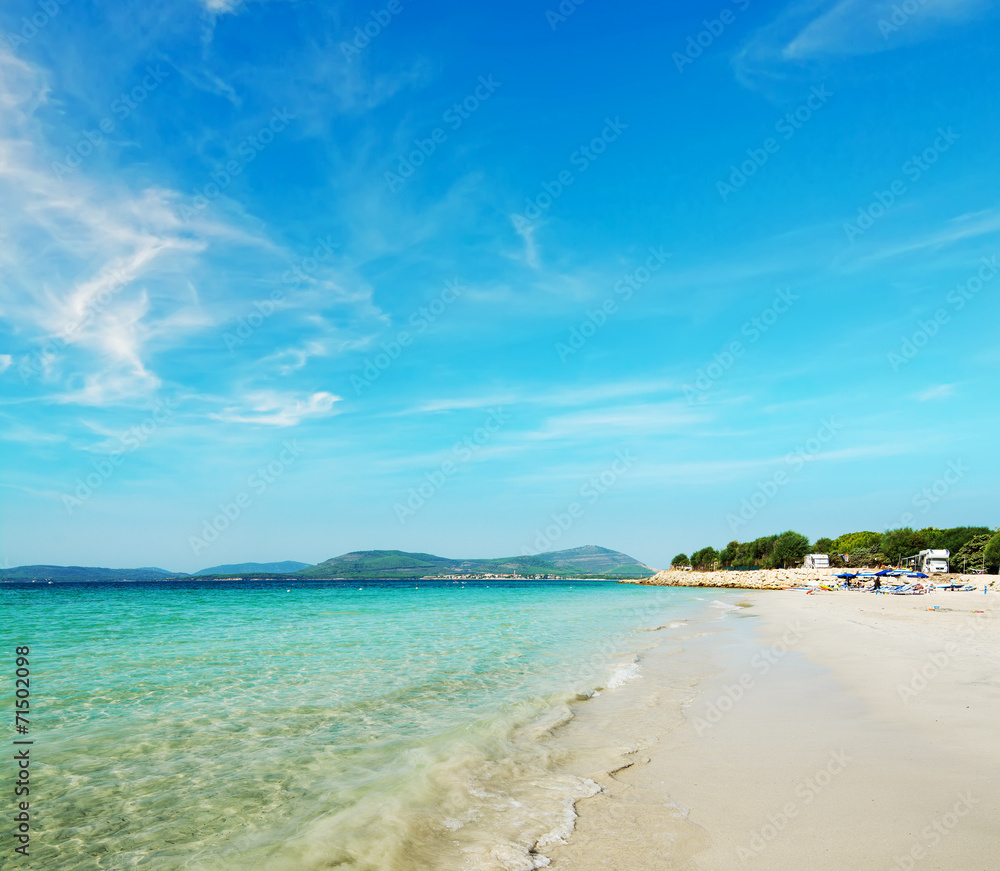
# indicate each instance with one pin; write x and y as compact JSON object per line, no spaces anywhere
{"x":224,"y":726}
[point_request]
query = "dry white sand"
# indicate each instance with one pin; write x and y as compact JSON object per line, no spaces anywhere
{"x":841,"y":731}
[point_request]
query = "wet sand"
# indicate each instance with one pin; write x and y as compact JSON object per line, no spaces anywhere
{"x":839,"y":730}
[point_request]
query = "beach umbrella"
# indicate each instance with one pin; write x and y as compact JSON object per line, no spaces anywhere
{"x":846,"y":575}
{"x":915,"y":575}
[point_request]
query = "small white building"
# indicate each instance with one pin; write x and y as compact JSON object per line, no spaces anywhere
{"x":816,"y":561}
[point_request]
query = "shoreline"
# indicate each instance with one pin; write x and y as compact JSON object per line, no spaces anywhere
{"x":614,"y":736}
{"x":840,"y":729}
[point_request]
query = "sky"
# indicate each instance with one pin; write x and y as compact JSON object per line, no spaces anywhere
{"x":283,"y":280}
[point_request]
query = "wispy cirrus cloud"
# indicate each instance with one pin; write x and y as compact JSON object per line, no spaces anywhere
{"x":733,"y":470}
{"x":620,"y":421}
{"x":222,"y":7}
{"x":569,"y":396}
{"x":939,"y":391}
{"x":291,"y":359}
{"x":814,"y":30}
{"x":104,"y":281}
{"x":531,"y":254}
{"x":273,"y":408}
{"x":961,"y":228}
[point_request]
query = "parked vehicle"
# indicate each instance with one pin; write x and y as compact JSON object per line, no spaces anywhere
{"x":931,"y":562}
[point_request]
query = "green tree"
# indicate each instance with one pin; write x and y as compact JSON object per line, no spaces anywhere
{"x":971,"y":555}
{"x":992,"y":552}
{"x":761,"y":549}
{"x":727,"y":556}
{"x":852,"y":541}
{"x":680,"y":560}
{"x":901,"y":543}
{"x":704,"y":558}
{"x":823,"y":545}
{"x":953,"y":539}
{"x":866,"y":557}
{"x":789,"y":549}
{"x":744,"y":554}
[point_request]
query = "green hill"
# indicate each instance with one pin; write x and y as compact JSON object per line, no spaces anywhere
{"x":84,"y":573}
{"x":378,"y":564}
{"x":598,"y":560}
{"x":287,"y":567}
{"x":577,"y":562}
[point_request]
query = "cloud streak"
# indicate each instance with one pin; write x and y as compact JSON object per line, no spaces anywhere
{"x":813,"y":31}
{"x":272,"y":408}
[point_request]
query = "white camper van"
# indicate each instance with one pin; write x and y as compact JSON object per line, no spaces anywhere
{"x":816,"y":561}
{"x":930,"y":562}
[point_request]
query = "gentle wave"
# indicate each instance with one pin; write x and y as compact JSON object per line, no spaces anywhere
{"x":623,"y":674}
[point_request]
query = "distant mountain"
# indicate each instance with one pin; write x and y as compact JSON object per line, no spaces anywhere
{"x":589,"y":561}
{"x":84,"y":573}
{"x":595,"y":560}
{"x":378,"y":564}
{"x":287,"y":567}
{"x":580,"y":561}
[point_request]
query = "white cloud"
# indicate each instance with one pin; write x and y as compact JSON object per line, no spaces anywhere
{"x":100,"y":244}
{"x":207,"y":81}
{"x":814,"y":29}
{"x":527,"y":233}
{"x":5,"y":361}
{"x":271,"y":408}
{"x":104,"y":283}
{"x":570,"y":396}
{"x":729,"y":471}
{"x":619,"y":421}
{"x":112,"y":386}
{"x":434,"y":406}
{"x":863,"y":26}
{"x":290,"y":360}
{"x":222,"y":7}
{"x":941,"y":391}
{"x":971,"y":226}
{"x":116,"y":275}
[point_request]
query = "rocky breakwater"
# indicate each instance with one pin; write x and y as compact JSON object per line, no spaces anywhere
{"x":758,"y":579}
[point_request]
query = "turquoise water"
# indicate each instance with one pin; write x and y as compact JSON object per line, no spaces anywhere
{"x":371,"y":726}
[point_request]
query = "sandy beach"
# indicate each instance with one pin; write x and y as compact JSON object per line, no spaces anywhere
{"x":839,"y":730}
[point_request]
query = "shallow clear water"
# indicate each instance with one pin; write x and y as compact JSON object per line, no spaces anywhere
{"x":380,"y":725}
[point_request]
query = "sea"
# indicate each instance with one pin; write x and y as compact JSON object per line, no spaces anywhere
{"x":361,"y":726}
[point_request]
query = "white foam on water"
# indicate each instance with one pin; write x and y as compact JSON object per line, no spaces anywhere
{"x":564,"y":829}
{"x":623,"y":674}
{"x":514,"y":857}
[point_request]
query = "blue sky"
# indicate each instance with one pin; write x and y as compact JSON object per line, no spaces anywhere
{"x":492,"y":279}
